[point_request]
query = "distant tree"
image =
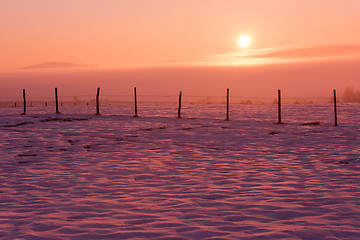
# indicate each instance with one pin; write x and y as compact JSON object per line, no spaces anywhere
{"x":350,"y":95}
{"x":76,"y":99}
{"x":246,"y":102}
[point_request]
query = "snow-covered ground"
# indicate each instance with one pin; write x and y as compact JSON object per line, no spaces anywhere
{"x":76,"y":175}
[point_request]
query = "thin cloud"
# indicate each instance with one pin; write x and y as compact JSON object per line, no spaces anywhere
{"x":317,"y":52}
{"x":283,"y":54}
{"x":55,"y":65}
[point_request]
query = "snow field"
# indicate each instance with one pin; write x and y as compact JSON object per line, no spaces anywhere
{"x":76,"y":175}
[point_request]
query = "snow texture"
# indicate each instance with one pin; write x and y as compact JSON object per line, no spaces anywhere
{"x":77,"y":175}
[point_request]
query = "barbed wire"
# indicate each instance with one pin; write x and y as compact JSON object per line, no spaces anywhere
{"x":175,"y":96}
{"x":102,"y":96}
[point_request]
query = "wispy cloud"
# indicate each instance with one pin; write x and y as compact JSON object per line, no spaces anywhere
{"x":328,"y":51}
{"x":283,"y":54}
{"x":55,"y":65}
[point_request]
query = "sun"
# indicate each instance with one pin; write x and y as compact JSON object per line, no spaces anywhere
{"x":244,"y":41}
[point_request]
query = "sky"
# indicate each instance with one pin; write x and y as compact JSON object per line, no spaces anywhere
{"x":143,"y":34}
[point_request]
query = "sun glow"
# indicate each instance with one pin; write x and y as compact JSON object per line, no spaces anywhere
{"x":244,"y":41}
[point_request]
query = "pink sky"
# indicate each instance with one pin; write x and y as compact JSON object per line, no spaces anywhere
{"x":181,"y":34}
{"x":115,"y":33}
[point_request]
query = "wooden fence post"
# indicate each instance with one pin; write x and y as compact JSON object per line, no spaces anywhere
{"x":24,"y":99}
{"x":56,"y":101}
{"x":135,"y":99}
{"x":335,"y":110}
{"x":97,"y":102}
{"x":227,"y":104}
{"x":179,"y":108}
{"x":279,"y":107}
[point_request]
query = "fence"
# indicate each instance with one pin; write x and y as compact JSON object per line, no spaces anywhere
{"x":96,"y":101}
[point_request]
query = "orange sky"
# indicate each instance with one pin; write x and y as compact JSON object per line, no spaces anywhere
{"x":300,"y":46}
{"x":116,"y":33}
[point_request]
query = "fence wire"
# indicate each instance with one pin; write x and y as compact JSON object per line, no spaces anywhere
{"x":109,"y":99}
